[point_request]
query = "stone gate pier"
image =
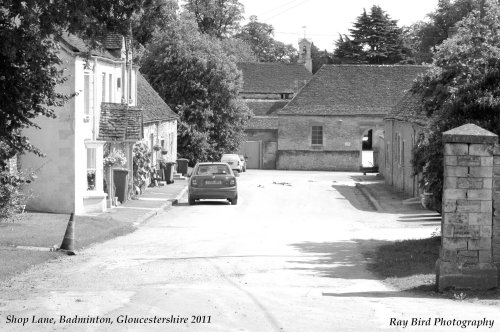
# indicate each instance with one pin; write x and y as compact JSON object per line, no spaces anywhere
{"x":470,"y":247}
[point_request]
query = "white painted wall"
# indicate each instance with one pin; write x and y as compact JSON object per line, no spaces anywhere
{"x":61,"y":186}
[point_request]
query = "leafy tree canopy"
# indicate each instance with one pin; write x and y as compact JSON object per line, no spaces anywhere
{"x":320,"y":58}
{"x":260,"y":38}
{"x":29,"y":72}
{"x":193,"y":74}
{"x":154,"y":15}
{"x":462,"y":86}
{"x":375,"y":39}
{"x":218,"y":18}
{"x":423,"y":37}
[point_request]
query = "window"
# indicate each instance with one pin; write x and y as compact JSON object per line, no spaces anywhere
{"x":87,"y":93}
{"x":317,"y":135}
{"x":110,"y":88}
{"x":398,"y":147}
{"x":103,"y":87}
{"x":91,"y":168}
{"x":402,"y":153}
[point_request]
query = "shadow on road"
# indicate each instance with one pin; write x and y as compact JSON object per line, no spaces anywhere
{"x":335,"y":259}
{"x":408,"y":265}
{"x":355,"y":197}
{"x":216,"y":203}
{"x":381,"y":294}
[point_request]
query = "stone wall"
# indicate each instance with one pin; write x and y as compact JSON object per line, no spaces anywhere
{"x":319,"y":160}
{"x":342,"y":141}
{"x":495,"y":240}
{"x":466,"y":256}
{"x":398,"y":171}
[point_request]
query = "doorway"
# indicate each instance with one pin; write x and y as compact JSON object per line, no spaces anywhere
{"x":367,"y":149}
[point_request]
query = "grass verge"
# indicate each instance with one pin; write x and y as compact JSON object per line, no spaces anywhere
{"x":46,"y":230}
{"x":409,"y":265}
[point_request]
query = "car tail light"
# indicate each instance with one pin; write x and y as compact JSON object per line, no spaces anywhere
{"x":194,"y":182}
{"x":232,"y":182}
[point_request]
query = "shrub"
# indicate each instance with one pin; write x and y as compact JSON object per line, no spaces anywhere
{"x":12,"y":197}
{"x":142,"y":165}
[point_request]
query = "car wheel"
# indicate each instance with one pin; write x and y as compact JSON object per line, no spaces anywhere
{"x":234,"y":201}
{"x":191,"y":201}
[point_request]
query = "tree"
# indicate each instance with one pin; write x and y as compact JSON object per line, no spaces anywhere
{"x":239,"y":49}
{"x":423,"y":37}
{"x":29,"y":72}
{"x":217,"y":18}
{"x":462,"y":86}
{"x":376,"y":39}
{"x":319,"y":58}
{"x":200,"y":82}
{"x":260,"y":38}
{"x":154,"y":15}
{"x":347,"y":50}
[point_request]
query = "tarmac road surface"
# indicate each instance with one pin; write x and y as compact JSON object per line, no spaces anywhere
{"x":286,"y":258}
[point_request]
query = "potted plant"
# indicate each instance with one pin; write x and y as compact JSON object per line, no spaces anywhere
{"x":164,"y":152}
{"x":157,"y":148}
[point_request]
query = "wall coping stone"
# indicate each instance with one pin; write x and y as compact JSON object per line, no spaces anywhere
{"x":469,"y":133}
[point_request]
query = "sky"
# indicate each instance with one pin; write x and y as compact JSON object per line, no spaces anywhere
{"x":325,"y":19}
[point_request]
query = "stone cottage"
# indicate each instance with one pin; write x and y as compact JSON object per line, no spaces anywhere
{"x":159,"y":122}
{"x":71,"y":176}
{"x":403,"y":127}
{"x":324,"y":126}
{"x":267,"y":87}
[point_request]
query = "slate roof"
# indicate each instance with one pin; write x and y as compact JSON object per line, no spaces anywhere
{"x":262,"y":122}
{"x":78,"y":45}
{"x":408,"y":110}
{"x":265,"y":107}
{"x":120,"y":123}
{"x":272,"y":77}
{"x":154,"y":108}
{"x":353,"y":90}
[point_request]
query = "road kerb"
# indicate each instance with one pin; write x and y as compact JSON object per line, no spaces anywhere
{"x":369,"y":196}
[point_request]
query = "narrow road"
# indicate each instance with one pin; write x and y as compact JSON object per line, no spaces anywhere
{"x":286,"y":258}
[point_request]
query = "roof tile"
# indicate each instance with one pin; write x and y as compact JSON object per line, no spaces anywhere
{"x":265,"y":107}
{"x":155,"y":109}
{"x":354,"y":89}
{"x":408,"y":109}
{"x":273,"y":77}
{"x":120,"y":122}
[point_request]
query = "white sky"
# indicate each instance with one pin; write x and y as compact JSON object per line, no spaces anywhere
{"x":325,"y":19}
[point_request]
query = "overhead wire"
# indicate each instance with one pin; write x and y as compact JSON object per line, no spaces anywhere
{"x":286,"y":10}
{"x":279,"y":7}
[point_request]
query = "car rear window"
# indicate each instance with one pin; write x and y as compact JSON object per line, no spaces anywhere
{"x":213,"y":170}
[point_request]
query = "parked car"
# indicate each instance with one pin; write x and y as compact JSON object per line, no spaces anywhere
{"x":212,"y":181}
{"x":233,"y":160}
{"x":243,"y":162}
